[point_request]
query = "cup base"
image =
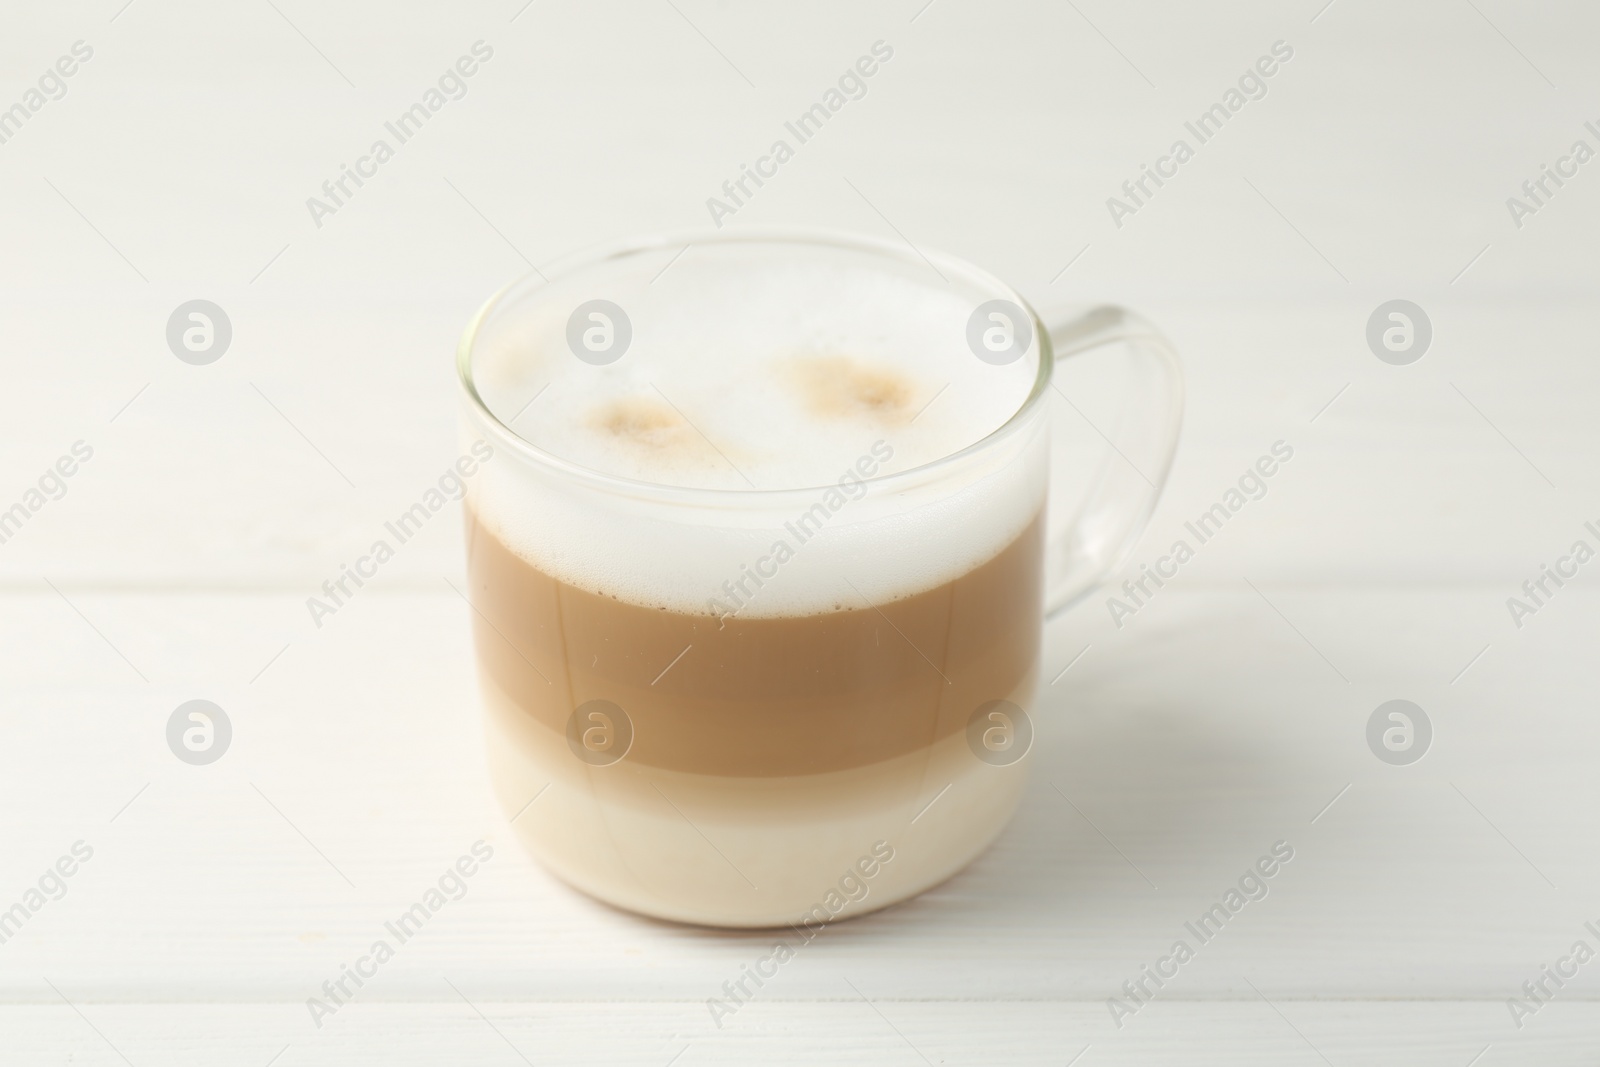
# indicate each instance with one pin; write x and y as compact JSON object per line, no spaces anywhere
{"x":750,"y":852}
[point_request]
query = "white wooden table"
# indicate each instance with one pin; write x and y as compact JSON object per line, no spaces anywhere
{"x":1228,"y":715}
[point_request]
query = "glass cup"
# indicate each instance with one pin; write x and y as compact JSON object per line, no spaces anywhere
{"x":744,"y":706}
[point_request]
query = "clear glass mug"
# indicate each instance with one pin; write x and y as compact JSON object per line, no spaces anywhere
{"x":830,"y":729}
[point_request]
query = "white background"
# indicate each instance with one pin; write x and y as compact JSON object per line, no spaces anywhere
{"x":1220,"y":719}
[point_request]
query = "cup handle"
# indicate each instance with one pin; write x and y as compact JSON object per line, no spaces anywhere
{"x":1125,"y":489}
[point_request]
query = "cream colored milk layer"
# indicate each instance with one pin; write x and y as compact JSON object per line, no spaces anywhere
{"x":800,"y":376}
{"x":641,"y":838}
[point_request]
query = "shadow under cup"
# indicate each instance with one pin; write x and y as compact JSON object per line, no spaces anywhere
{"x":750,"y":707}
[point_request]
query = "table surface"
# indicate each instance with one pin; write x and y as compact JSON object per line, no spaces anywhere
{"x":1228,"y":715}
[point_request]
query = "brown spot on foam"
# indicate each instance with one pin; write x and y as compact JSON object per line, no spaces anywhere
{"x":843,"y":387}
{"x":643,"y":422}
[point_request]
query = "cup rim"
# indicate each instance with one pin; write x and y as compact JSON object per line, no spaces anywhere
{"x":505,"y":436}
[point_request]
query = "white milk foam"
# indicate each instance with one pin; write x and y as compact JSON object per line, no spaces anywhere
{"x":772,"y":369}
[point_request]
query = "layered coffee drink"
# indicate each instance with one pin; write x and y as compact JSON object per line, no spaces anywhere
{"x":758,"y":599}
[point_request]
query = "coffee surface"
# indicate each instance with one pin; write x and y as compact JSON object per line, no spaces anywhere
{"x":737,"y":375}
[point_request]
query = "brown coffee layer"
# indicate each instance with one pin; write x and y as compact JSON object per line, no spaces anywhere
{"x":760,"y":697}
